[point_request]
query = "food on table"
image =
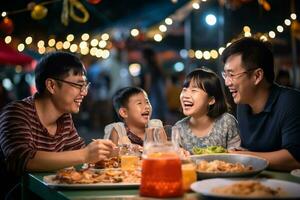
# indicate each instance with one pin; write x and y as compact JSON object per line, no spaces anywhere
{"x":208,"y":150}
{"x":217,"y":166}
{"x":89,"y":176}
{"x":113,"y":162}
{"x":249,"y":188}
{"x":129,"y":155}
{"x":125,"y":149}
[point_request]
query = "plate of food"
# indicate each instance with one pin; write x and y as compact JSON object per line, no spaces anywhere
{"x":90,"y":179}
{"x":228,"y":165}
{"x":296,"y":172}
{"x":220,"y":188}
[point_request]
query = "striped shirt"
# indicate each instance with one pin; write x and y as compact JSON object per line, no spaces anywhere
{"x":22,"y":135}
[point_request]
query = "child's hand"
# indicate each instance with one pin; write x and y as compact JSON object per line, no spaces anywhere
{"x":184,"y":154}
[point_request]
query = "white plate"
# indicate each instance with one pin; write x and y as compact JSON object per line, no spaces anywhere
{"x":296,"y":172}
{"x":205,"y":187}
{"x":48,"y":180}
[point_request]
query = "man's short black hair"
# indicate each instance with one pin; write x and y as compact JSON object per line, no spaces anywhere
{"x":255,"y":54}
{"x":56,"y":65}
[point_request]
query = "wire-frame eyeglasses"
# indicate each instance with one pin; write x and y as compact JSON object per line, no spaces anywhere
{"x":83,"y":87}
{"x":232,"y":76}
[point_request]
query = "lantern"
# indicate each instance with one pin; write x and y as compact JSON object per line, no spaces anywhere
{"x":7,"y":26}
{"x":39,"y":12}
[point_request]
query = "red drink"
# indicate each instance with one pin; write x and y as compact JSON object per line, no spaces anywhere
{"x":161,"y":175}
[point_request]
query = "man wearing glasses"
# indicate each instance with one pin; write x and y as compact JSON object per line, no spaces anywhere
{"x":268,"y":114}
{"x":37,"y":133}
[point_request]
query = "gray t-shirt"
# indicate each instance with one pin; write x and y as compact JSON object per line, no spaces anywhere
{"x":224,"y":133}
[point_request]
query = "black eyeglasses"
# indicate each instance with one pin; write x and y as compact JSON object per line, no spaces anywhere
{"x":83,"y":87}
{"x":232,"y":76}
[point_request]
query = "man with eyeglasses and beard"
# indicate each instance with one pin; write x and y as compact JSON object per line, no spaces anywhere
{"x":38,"y":134}
{"x":268,"y":114}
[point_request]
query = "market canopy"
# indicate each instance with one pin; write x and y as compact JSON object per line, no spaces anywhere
{"x":10,"y":56}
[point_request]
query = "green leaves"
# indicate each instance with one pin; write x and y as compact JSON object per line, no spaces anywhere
{"x":208,"y":150}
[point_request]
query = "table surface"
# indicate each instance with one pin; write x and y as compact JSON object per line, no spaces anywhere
{"x":32,"y":183}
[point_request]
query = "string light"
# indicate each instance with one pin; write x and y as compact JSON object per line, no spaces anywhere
{"x":157,"y":37}
{"x":85,"y":36}
{"x":163,"y":28}
{"x":168,"y":21}
{"x":94,"y":42}
{"x":105,"y":36}
{"x":134,"y":32}
{"x":4,"y":14}
{"x":279,"y":28}
{"x":41,"y":43}
{"x":8,"y":39}
{"x":59,"y":45}
{"x":21,"y":47}
{"x":70,"y":37}
{"x":102,"y":44}
{"x":28,"y":40}
{"x":196,"y":5}
{"x":92,"y":47}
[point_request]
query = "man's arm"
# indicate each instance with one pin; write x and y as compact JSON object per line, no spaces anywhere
{"x":278,"y":160}
{"x":47,"y":161}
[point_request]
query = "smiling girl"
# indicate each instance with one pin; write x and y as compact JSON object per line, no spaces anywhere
{"x":208,"y":122}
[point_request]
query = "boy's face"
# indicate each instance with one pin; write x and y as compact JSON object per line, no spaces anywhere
{"x":138,"y":110}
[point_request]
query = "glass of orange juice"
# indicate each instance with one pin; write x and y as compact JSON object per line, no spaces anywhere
{"x":161,"y":171}
{"x":129,"y":162}
{"x":129,"y":157}
{"x":189,"y":175}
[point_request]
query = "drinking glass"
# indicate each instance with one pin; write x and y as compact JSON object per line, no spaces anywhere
{"x":189,"y":175}
{"x":173,"y":134}
{"x":161,"y":171}
{"x":176,"y":135}
{"x":129,"y":157}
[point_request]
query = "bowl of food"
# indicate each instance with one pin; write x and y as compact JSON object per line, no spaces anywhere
{"x":228,"y":165}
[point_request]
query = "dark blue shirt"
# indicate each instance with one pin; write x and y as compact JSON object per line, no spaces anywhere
{"x":276,"y":127}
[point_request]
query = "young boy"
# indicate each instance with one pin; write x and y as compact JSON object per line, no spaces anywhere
{"x":134,"y":109}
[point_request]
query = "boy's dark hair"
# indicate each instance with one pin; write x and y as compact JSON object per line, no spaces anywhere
{"x":209,"y":82}
{"x":255,"y":54}
{"x":121,"y":97}
{"x":56,"y":65}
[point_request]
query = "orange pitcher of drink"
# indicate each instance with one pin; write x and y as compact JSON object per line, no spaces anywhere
{"x":161,"y":170}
